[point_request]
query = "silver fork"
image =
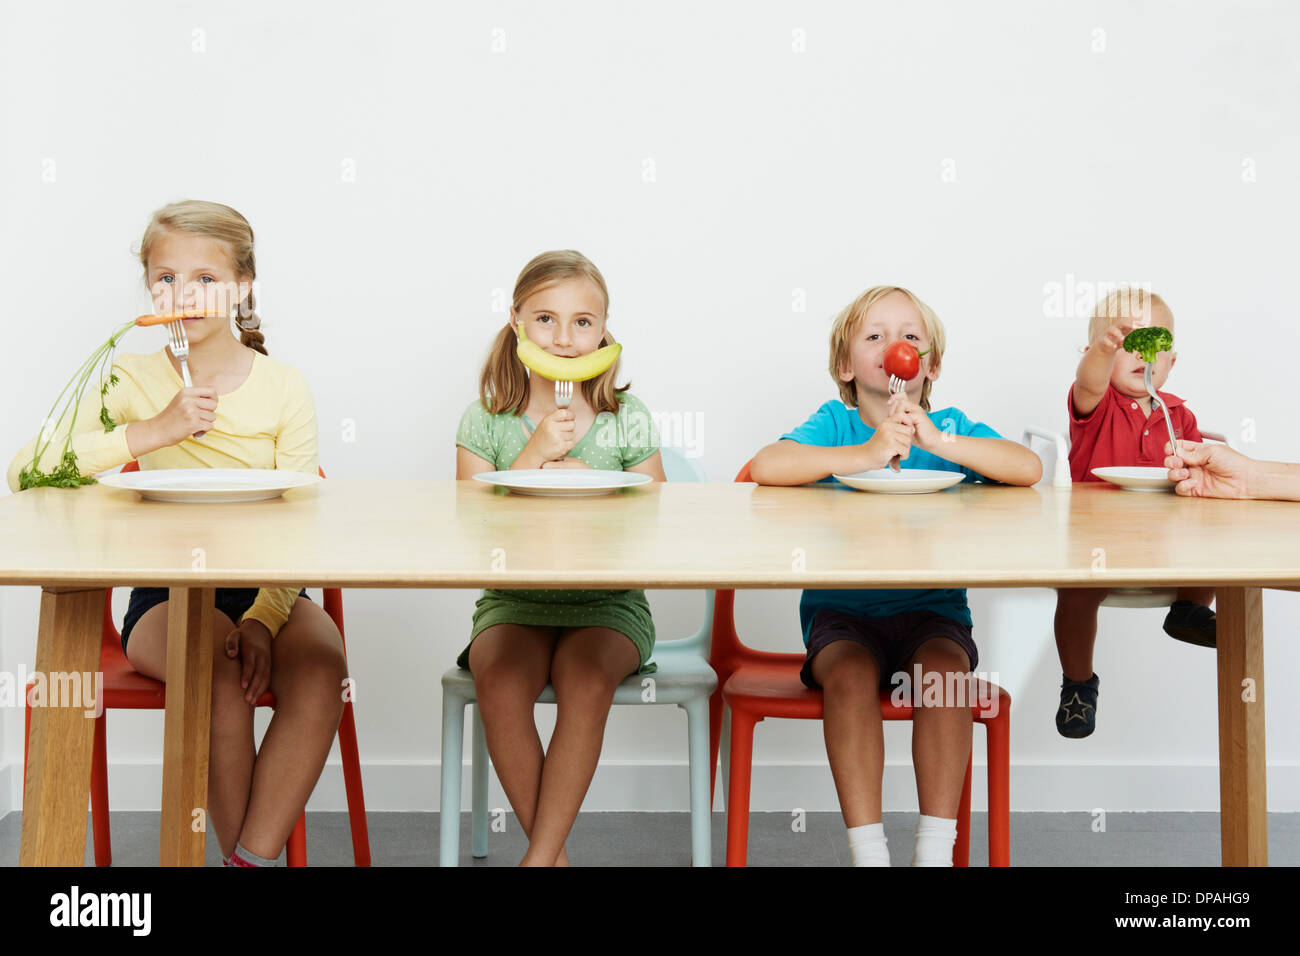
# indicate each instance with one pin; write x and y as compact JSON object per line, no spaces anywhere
{"x":563,"y":394}
{"x":179,"y":343}
{"x":1155,"y":400}
{"x":896,"y":385}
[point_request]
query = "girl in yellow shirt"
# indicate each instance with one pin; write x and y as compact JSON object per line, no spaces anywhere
{"x":251,"y":412}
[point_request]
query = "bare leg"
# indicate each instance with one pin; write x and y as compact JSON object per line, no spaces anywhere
{"x":1076,"y":629}
{"x":231,"y":751}
{"x":941,"y":736}
{"x":511,"y":665}
{"x":1201,"y":596}
{"x":588,"y":665}
{"x":307,"y":674}
{"x":855,"y":740}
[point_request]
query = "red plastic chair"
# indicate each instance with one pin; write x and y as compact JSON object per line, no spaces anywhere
{"x":756,"y":684}
{"x":127,"y":689}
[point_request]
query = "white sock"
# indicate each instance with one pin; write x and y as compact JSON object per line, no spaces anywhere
{"x":935,"y":839}
{"x":868,"y":846}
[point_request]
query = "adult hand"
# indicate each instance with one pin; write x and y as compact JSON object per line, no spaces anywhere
{"x":1209,"y":470}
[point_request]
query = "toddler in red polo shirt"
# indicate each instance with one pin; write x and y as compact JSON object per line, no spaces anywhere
{"x":1113,"y":421}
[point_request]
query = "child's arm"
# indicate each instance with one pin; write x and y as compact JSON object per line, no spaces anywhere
{"x":469,"y":464}
{"x":1093,"y":374}
{"x":997,"y":459}
{"x":788,"y":462}
{"x":190,"y":410}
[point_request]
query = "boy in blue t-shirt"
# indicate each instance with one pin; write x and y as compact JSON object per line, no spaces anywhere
{"x":858,"y":641}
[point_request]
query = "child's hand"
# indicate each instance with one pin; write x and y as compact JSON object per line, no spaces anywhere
{"x":893,"y":437}
{"x":553,"y":436}
{"x":566,"y":462}
{"x":925,"y":435}
{"x":252,"y":642}
{"x":191,"y":410}
{"x":1111,"y":340}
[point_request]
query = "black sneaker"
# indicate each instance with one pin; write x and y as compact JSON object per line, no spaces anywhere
{"x":1077,"y":715}
{"x":1192,"y":624}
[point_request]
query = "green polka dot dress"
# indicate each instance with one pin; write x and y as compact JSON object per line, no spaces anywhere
{"x":615,"y":442}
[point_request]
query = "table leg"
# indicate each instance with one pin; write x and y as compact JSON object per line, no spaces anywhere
{"x":62,"y":736}
{"x":190,"y":613}
{"x":1243,"y":817}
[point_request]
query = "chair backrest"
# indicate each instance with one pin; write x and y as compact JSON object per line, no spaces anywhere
{"x":677,"y":467}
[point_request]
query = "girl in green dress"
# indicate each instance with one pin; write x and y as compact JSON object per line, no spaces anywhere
{"x":584,"y":643}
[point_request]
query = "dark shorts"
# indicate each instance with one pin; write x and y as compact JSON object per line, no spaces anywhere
{"x":232,"y":602}
{"x":891,"y":640}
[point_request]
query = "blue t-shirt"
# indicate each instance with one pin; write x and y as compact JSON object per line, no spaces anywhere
{"x":836,"y":424}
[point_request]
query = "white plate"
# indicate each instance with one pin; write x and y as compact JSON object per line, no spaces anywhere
{"x":909,"y":481}
{"x":563,"y":482}
{"x":1136,"y":479}
{"x":209,"y":485}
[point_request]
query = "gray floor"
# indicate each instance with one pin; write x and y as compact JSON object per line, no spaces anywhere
{"x":662,"y":839}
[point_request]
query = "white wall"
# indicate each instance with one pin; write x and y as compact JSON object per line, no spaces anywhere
{"x":1167,"y":157}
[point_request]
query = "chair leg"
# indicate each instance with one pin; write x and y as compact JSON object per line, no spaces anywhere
{"x":296,"y":848}
{"x":961,"y":849}
{"x":999,"y":759}
{"x":716,"y":737}
{"x":352,"y":785}
{"x":697,"y":732}
{"x":453,"y":744}
{"x":99,"y":793}
{"x":479,"y":763}
{"x":742,"y":760}
{"x":726,"y":753}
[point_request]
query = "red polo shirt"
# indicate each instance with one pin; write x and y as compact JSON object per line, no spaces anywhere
{"x":1118,"y":433}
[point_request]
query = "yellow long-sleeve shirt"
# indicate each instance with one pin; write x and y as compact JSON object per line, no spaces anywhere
{"x":269,"y":421}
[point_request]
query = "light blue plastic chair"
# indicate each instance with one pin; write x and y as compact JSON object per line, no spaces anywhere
{"x":684,"y":678}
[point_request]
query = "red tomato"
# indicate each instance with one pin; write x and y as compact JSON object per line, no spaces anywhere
{"x":902,"y":359}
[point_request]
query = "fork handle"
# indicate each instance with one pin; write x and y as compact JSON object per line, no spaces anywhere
{"x":185,"y":377}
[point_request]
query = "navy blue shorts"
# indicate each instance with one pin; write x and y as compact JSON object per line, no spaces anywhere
{"x":232,"y":602}
{"x":891,"y":640}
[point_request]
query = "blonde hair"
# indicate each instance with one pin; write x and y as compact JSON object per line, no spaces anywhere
{"x":1126,"y":302}
{"x":849,"y":321}
{"x":222,"y":223}
{"x":503,"y":384}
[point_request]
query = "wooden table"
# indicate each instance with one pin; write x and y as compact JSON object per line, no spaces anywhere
{"x":452,"y":534}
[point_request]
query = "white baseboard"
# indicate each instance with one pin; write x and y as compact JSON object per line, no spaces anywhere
{"x":626,"y":786}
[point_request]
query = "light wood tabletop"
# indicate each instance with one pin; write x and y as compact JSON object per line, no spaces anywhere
{"x":370,"y":533}
{"x":465,"y":534}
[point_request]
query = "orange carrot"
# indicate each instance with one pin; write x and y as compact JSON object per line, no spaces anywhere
{"x":172,"y":317}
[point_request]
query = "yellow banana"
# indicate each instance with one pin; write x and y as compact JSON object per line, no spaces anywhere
{"x":560,"y":369}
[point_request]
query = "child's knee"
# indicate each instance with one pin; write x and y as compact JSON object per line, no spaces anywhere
{"x":503,"y":682}
{"x":582,"y":678}
{"x":321,"y":678}
{"x":849,"y":672}
{"x":228,"y":702}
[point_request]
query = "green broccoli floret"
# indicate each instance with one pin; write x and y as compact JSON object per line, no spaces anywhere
{"x":1149,"y":340}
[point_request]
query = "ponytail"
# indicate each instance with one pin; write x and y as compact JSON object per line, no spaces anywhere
{"x":250,"y":323}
